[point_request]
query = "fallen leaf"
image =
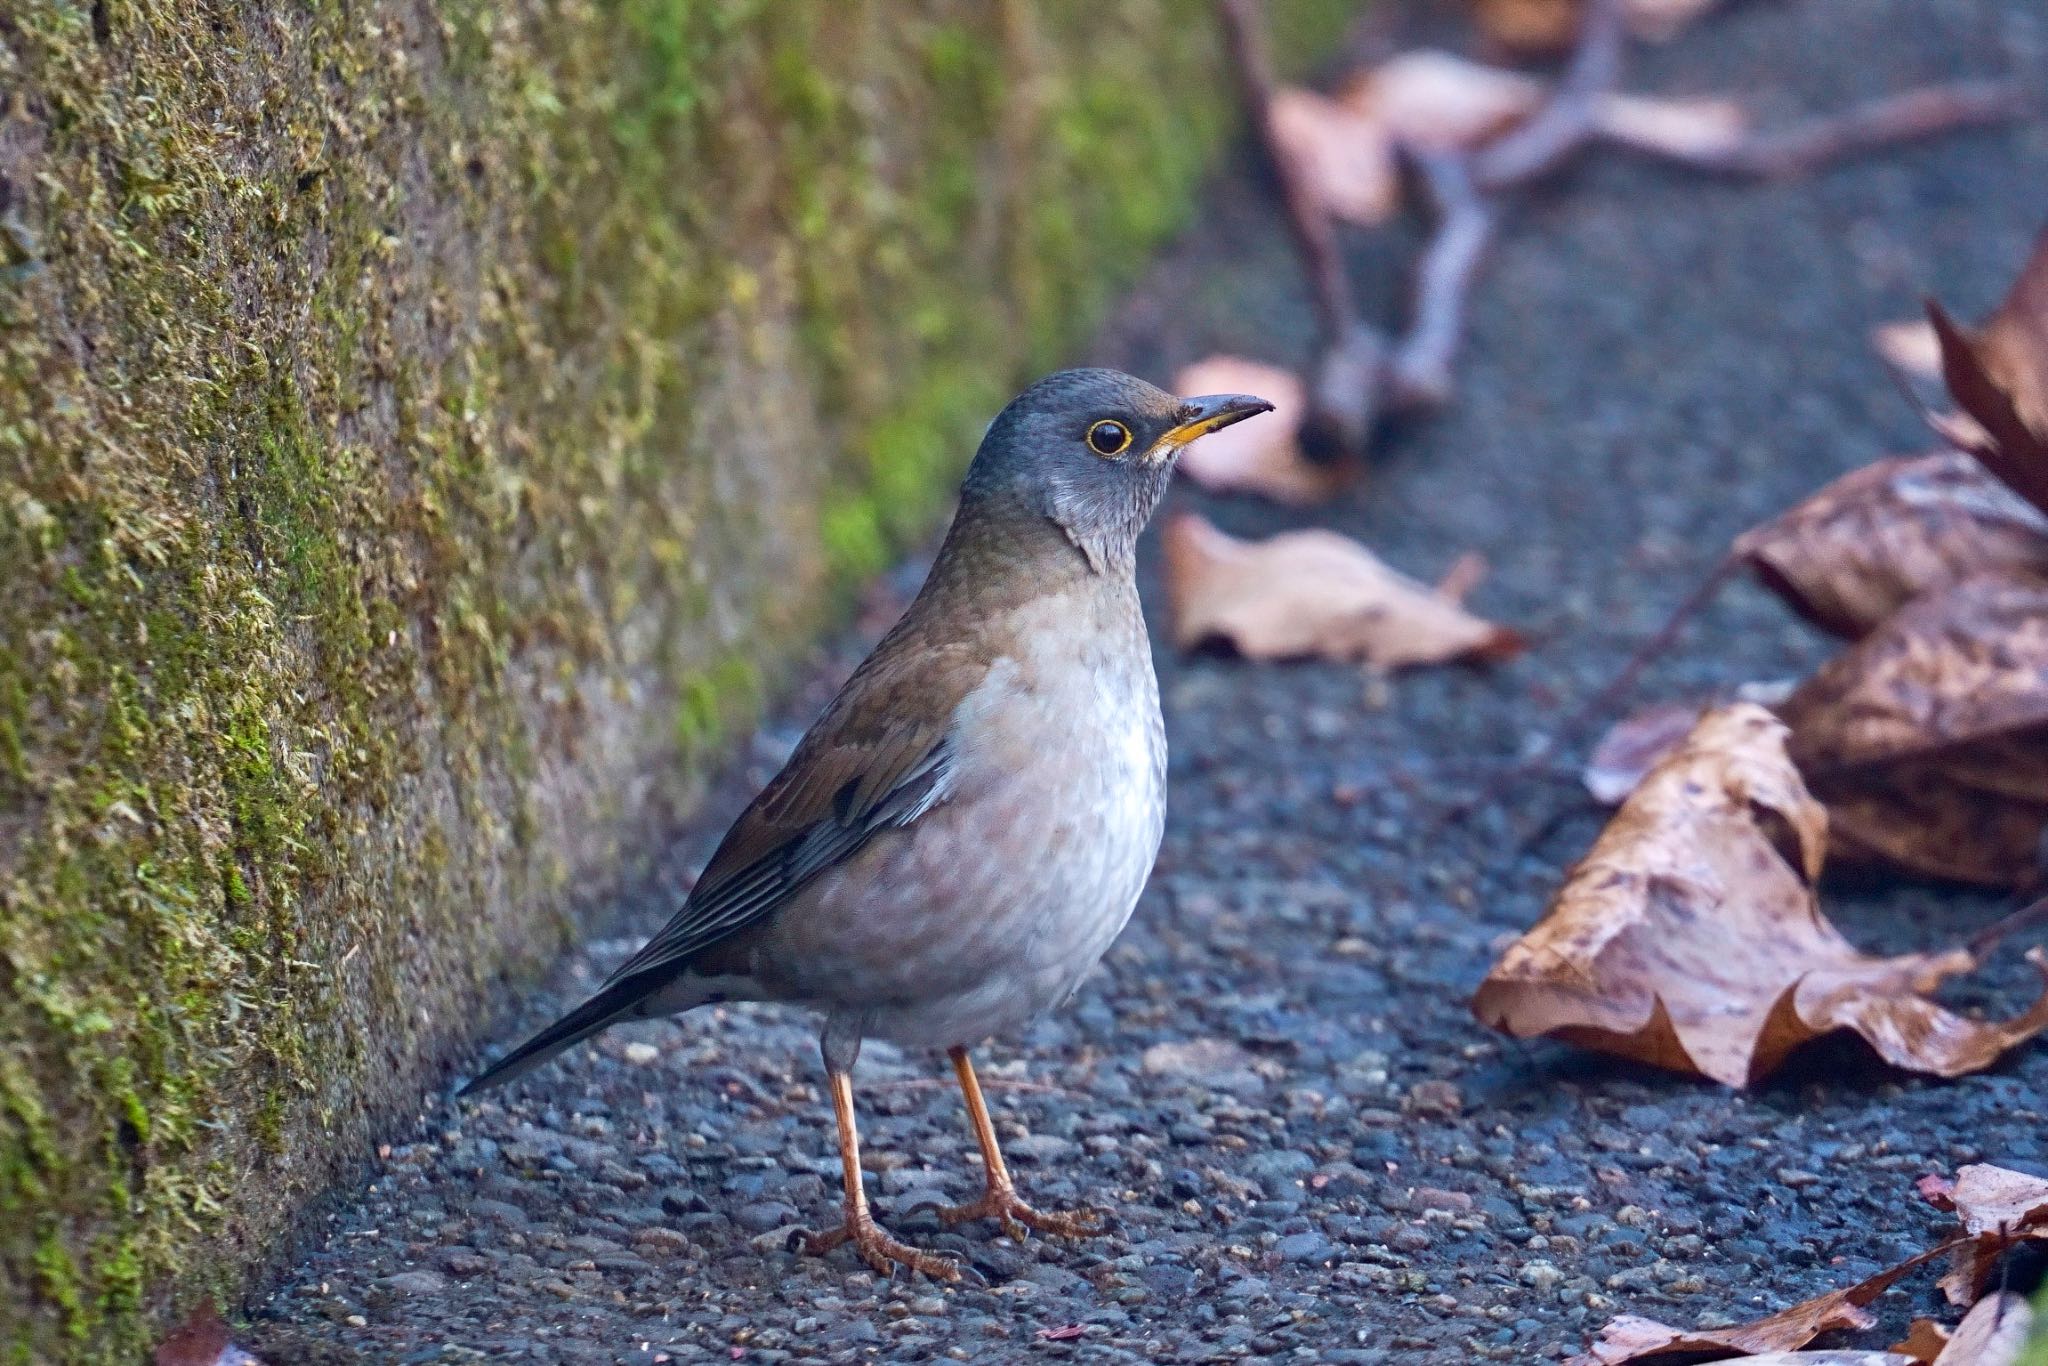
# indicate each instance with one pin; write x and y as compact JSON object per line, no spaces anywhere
{"x":1991,"y":1199}
{"x":201,"y":1340}
{"x":1923,"y":1342}
{"x":1632,"y":1338}
{"x":1262,"y":457}
{"x":1344,"y":157}
{"x":1992,"y":1334}
{"x":1912,"y":347}
{"x":1435,"y":101}
{"x":1634,"y":745}
{"x":1928,"y":739}
{"x":1306,"y":594}
{"x":1645,"y":738}
{"x":1852,"y":554}
{"x":1551,"y":25}
{"x":1997,"y":1207}
{"x":1998,"y":372}
{"x":1689,"y":937}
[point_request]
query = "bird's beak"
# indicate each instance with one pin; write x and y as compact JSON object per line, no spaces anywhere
{"x":1211,"y":412}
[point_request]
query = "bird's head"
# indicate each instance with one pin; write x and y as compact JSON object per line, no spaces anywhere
{"x":1091,"y":451}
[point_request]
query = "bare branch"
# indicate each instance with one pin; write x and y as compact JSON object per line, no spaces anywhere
{"x":1315,"y":236}
{"x":1881,"y":123}
{"x":1567,"y":120}
{"x":1421,"y":366}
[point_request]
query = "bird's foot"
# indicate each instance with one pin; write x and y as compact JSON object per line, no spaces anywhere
{"x":880,"y":1251}
{"x":1003,"y":1204}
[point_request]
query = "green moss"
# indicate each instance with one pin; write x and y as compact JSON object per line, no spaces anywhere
{"x":402,"y":408}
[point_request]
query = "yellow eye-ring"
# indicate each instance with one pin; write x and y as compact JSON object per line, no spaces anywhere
{"x":1109,"y":438}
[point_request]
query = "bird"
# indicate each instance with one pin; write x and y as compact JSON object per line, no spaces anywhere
{"x":959,"y":836}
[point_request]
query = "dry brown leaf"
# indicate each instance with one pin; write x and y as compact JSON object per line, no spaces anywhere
{"x":1911,"y":346}
{"x":1314,"y":594}
{"x":1439,"y":102}
{"x":1923,"y":1342}
{"x":1928,"y":739}
{"x":1689,"y":936}
{"x":1551,"y":25}
{"x":1262,"y":457}
{"x":1999,"y":374}
{"x":1992,"y":1334}
{"x":1635,"y":745}
{"x":1997,"y":1207}
{"x":1344,"y":157}
{"x":1852,"y":554}
{"x":1631,"y":1338}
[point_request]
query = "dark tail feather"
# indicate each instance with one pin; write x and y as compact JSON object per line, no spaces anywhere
{"x":585,"y":1020}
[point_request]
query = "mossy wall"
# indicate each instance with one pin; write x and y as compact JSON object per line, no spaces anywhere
{"x":424,"y":424}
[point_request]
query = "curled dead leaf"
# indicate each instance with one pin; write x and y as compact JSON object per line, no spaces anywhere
{"x":1997,"y":1207}
{"x":1262,"y":457}
{"x":1998,"y":372}
{"x":1923,"y":1342}
{"x":1928,"y":739}
{"x":1631,"y":1338}
{"x":1634,"y":745}
{"x":1689,"y":937}
{"x":1314,"y":594}
{"x":1994,"y":1333}
{"x":1852,"y":554}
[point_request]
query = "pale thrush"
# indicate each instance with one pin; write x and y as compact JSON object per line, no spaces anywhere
{"x":958,"y":838}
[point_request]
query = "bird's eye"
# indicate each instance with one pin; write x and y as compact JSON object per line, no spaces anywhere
{"x":1109,"y":438}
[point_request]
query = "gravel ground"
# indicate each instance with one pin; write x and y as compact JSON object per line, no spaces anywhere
{"x":1311,"y":1149}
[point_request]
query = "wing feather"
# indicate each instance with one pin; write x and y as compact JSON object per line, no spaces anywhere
{"x":863,"y":768}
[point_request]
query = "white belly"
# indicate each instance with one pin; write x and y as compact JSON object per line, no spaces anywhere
{"x":995,"y":905}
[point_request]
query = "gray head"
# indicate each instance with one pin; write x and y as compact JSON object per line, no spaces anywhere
{"x":1091,"y":451}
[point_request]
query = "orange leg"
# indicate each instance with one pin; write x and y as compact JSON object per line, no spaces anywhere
{"x":1000,"y":1201}
{"x":876,"y":1247}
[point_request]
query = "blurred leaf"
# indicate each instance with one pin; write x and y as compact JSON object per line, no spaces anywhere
{"x":1315,"y":594}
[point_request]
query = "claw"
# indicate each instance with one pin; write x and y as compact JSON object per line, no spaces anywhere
{"x":1008,"y":1209}
{"x":880,"y":1251}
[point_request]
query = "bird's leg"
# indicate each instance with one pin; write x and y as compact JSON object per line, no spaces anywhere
{"x":1001,"y":1201}
{"x":877,"y":1248}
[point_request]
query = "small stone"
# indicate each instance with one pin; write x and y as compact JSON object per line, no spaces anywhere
{"x":1541,"y":1275}
{"x":414,"y":1283}
{"x":463,"y":1261}
{"x":764,"y":1216}
{"x":1312,"y":1248}
{"x":641,"y":1054}
{"x":660,"y":1240}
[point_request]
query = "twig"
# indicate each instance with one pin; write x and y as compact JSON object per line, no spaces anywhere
{"x":1464,"y":188}
{"x":1315,"y":236}
{"x":1421,"y":365}
{"x":1881,"y":123}
{"x":1603,"y":702}
{"x":1992,"y":935}
{"x":1567,"y":119}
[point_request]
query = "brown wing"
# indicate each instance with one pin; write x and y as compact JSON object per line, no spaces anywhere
{"x":877,"y":759}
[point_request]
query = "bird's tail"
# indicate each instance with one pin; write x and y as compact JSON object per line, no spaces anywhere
{"x":615,"y":1002}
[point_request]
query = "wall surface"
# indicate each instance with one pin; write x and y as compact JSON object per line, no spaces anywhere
{"x":424,"y":425}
